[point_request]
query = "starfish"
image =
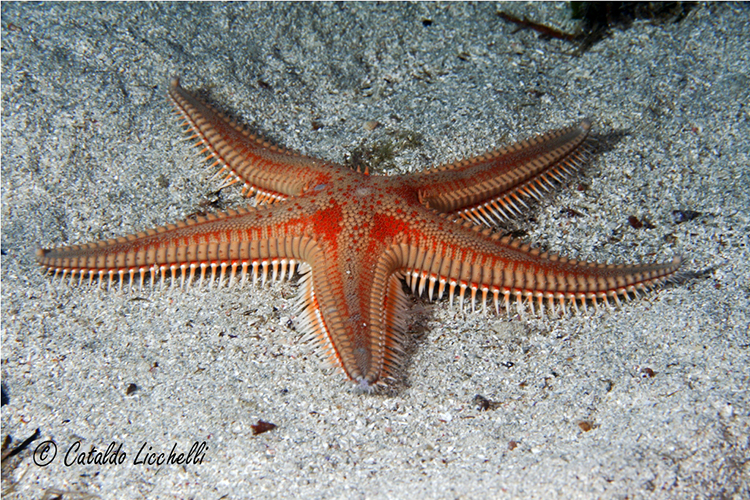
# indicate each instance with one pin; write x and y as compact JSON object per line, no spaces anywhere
{"x":352,"y":237}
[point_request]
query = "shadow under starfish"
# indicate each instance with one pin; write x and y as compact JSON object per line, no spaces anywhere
{"x":353,"y":237}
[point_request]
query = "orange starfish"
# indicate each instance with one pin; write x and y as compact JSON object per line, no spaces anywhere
{"x":354,"y":236}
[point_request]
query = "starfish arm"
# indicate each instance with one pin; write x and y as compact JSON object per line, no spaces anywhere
{"x":487,"y":266}
{"x":351,"y":306}
{"x":244,"y":240}
{"x":355,"y":320}
{"x":270,"y":172}
{"x":362,"y":326}
{"x":493,"y":187}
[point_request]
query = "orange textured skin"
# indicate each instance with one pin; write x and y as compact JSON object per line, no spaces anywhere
{"x":356,"y":236}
